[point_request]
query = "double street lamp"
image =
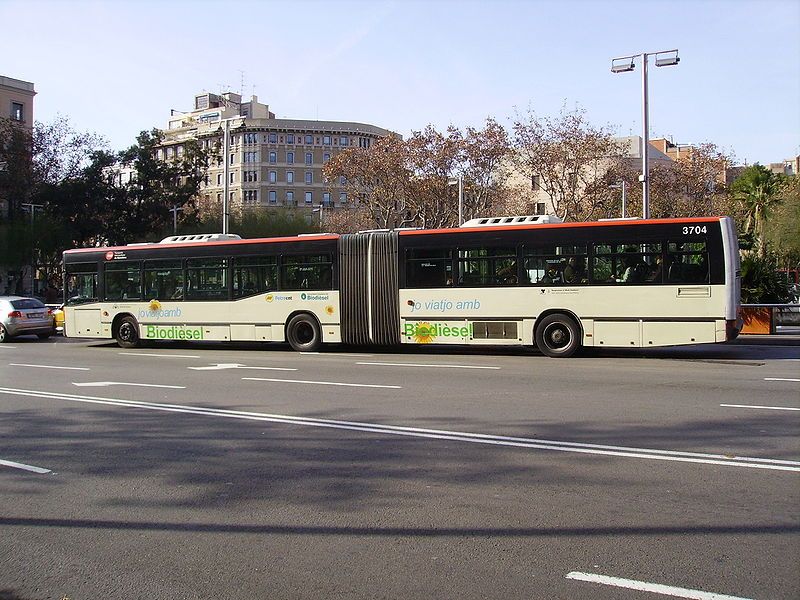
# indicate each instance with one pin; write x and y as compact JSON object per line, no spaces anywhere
{"x":622,"y":64}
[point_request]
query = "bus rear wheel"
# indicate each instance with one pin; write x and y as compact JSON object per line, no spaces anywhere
{"x":558,"y":336}
{"x":128,"y":333}
{"x":303,"y":333}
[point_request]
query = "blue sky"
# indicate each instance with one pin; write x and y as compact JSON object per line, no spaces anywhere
{"x":117,"y":67}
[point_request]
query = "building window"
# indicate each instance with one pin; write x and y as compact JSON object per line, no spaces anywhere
{"x":342,"y":197}
{"x":309,"y":139}
{"x":342,"y":180}
{"x":326,"y":157}
{"x":233,"y":158}
{"x":540,"y":208}
{"x":289,"y":198}
{"x":233,"y":177}
{"x":273,"y":176}
{"x":535,"y":183}
{"x":290,"y":138}
{"x":309,"y":198}
{"x":309,"y":177}
{"x":273,"y":197}
{"x":273,"y":157}
{"x":17,"y":111}
{"x":219,"y":178}
{"x":289,"y":176}
{"x":309,"y":158}
{"x":273,"y":138}
{"x":250,"y":175}
{"x":326,"y":140}
{"x":290,"y":158}
{"x":326,"y":199}
{"x":343,"y":141}
{"x":251,"y":196}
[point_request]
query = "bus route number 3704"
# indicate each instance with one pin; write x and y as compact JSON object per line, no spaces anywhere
{"x":692,"y":229}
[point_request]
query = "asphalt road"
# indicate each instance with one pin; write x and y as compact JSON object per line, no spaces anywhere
{"x":256,"y":472}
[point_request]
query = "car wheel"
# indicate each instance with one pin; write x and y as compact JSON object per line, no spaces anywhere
{"x":303,"y":333}
{"x":128,"y":333}
{"x":558,"y":336}
{"x":4,"y":337}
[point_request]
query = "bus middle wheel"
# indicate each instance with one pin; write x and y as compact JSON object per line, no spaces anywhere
{"x":303,"y":333}
{"x":558,"y":336}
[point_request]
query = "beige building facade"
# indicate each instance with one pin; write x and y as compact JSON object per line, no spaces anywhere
{"x":266,"y":162}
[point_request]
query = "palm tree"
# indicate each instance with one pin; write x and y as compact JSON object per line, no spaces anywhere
{"x":759,"y":191}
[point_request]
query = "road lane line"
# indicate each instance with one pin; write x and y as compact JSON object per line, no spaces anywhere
{"x":764,"y":407}
{"x":4,"y":347}
{"x":475,"y":438}
{"x":656,"y":588}
{"x":367,"y":385}
{"x":49,"y":367}
{"x":335,"y":354}
{"x":781,"y":379}
{"x":224,"y":366}
{"x":24,"y":467}
{"x":158,"y":355}
{"x":433,"y":366}
{"x":109,"y":383}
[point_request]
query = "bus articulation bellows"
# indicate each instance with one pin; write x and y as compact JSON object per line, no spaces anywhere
{"x":501,"y":281}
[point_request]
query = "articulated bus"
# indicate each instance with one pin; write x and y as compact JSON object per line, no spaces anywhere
{"x":531,"y":281}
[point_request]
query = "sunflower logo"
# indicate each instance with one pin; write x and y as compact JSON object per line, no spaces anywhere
{"x":155,"y":305}
{"x":424,"y":333}
{"x":329,"y":309}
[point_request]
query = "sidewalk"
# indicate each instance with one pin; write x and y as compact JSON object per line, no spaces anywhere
{"x":785,"y":335}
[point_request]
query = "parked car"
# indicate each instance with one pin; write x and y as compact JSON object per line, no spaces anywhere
{"x":25,"y":316}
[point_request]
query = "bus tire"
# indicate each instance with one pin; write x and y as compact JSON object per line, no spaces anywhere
{"x":558,"y":336}
{"x":303,"y":333}
{"x":127,"y":334}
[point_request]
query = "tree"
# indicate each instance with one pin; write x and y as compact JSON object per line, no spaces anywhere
{"x":783,"y":233}
{"x":567,"y":156}
{"x":759,"y":192}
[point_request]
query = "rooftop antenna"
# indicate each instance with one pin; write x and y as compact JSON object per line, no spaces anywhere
{"x":241,"y":82}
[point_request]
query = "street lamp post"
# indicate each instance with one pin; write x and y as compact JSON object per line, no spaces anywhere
{"x":225,"y":130}
{"x":32,"y":207}
{"x":175,"y":210}
{"x":460,"y":182}
{"x":623,"y":64}
{"x":616,"y":186}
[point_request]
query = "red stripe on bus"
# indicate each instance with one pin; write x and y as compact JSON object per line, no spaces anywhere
{"x":560,"y":225}
{"x":310,"y":238}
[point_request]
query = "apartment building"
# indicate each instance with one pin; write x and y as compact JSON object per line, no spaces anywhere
{"x":266,"y":161}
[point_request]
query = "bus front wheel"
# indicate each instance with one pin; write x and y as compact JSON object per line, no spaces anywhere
{"x":558,"y":336}
{"x":128,"y":333}
{"x":303,"y":333}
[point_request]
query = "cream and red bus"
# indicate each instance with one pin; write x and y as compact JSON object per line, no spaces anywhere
{"x":531,"y":281}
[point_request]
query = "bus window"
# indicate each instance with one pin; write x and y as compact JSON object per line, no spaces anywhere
{"x":207,"y":279}
{"x":487,"y":267}
{"x":429,"y":268}
{"x":689,"y":262}
{"x":628,"y":263}
{"x":254,"y":275}
{"x":163,"y":279}
{"x":81,"y":283}
{"x":306,"y":272}
{"x":123,"y":280}
{"x":555,"y":265}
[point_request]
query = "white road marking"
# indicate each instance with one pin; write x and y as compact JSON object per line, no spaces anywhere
{"x":764,"y":407}
{"x":223,"y":366}
{"x":780,"y":379}
{"x":49,"y":367}
{"x":433,"y":366}
{"x":367,"y":385}
{"x":474,"y":438}
{"x":108,"y":383}
{"x":158,"y":355}
{"x":16,"y":465}
{"x":656,"y":588}
{"x":334,"y":354}
{"x":4,"y":347}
